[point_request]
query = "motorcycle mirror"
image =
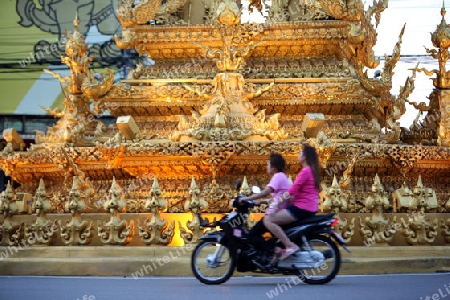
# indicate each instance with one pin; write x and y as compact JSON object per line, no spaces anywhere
{"x":256,"y":189}
{"x":238,"y":184}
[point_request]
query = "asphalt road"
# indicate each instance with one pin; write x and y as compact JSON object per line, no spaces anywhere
{"x":367,"y":287}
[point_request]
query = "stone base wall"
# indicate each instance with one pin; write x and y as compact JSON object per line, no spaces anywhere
{"x":399,"y":229}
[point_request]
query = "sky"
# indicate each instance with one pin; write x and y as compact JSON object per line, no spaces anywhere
{"x":420,"y":16}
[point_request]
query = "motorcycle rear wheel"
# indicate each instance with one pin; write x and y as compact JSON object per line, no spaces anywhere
{"x":212,"y":263}
{"x":325,"y":272}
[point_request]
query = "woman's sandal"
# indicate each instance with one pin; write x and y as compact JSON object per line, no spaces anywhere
{"x":285,"y":253}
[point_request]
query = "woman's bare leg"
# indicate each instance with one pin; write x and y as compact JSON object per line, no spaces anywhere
{"x":273,"y":222}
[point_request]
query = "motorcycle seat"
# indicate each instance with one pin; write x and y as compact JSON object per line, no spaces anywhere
{"x":313,"y":219}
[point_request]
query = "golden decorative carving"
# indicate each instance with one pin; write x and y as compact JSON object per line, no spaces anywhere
{"x":245,"y":188}
{"x":217,"y":198}
{"x":277,"y":11}
{"x":77,"y":125}
{"x":43,"y":230}
{"x":131,"y":14}
{"x":346,"y":180}
{"x":8,"y":149}
{"x":128,"y":39}
{"x":345,"y":228}
{"x":382,"y":87}
{"x":365,"y":49}
{"x":420,"y":230}
{"x":445,"y":230}
{"x":324,"y":146}
{"x":441,"y":40}
{"x":431,"y":130}
{"x":96,"y":86}
{"x":156,"y":231}
{"x":397,"y":109}
{"x":362,"y":37}
{"x":115,"y":231}
{"x":404,"y":157}
{"x":11,"y":231}
{"x":211,"y":9}
{"x":334,"y":198}
{"x":373,"y":134}
{"x":228,"y":13}
{"x":423,"y":199}
{"x":355,"y":10}
{"x":76,"y":231}
{"x":444,"y":120}
{"x":302,"y":11}
{"x":195,"y":205}
{"x":401,"y":199}
{"x":228,"y":115}
{"x":347,"y":10}
{"x":439,"y":99}
{"x":378,"y":230}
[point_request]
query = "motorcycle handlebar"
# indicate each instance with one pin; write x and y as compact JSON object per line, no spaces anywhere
{"x":240,"y":203}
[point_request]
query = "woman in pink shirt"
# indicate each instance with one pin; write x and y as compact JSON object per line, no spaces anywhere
{"x":278,"y":185}
{"x":304,"y":196}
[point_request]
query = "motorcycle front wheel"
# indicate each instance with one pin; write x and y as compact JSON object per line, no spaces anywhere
{"x":212,"y":263}
{"x":326,"y":270}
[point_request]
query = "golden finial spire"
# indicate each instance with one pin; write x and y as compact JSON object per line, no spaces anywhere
{"x":41,"y":187}
{"x":114,"y":187}
{"x":74,"y":184}
{"x":76,"y":21}
{"x":228,"y":13}
{"x":377,"y":180}
{"x":419,"y":181}
{"x":155,"y":186}
{"x":193,"y":183}
{"x":245,"y":188}
{"x":335,"y":183}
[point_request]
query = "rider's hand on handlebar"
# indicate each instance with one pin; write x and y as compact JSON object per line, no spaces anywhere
{"x":233,"y":202}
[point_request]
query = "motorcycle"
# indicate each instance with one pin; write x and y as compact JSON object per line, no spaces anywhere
{"x":228,"y":246}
